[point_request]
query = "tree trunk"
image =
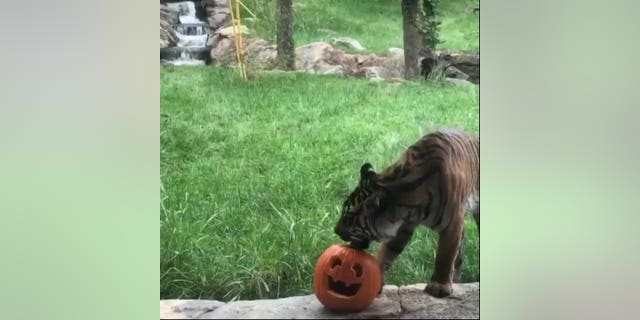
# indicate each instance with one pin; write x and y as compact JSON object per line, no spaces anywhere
{"x":284,"y":36}
{"x":413,"y":38}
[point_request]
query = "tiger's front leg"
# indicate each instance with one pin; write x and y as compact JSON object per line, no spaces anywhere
{"x":388,"y":251}
{"x":441,"y":284}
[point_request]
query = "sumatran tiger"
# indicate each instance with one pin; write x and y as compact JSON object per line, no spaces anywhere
{"x":433,"y":183}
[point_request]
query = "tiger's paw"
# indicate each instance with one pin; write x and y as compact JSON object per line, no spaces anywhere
{"x":438,"y":290}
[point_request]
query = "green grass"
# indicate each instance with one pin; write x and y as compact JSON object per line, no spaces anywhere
{"x":252,"y":174}
{"x":376,"y":24}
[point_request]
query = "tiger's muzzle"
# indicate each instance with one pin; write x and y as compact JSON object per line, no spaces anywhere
{"x":342,"y":232}
{"x":346,"y":236}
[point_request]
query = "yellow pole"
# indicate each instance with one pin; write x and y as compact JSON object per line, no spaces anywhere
{"x":242,"y":65}
{"x":239,"y":36}
{"x":235,"y":19}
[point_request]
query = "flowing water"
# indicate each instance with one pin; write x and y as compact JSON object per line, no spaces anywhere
{"x":191,"y":47}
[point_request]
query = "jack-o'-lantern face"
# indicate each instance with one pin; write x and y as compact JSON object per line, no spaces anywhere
{"x":343,"y":281}
{"x":346,"y":279}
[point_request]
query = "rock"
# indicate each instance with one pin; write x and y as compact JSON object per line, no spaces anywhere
{"x":459,"y":81}
{"x":218,"y":13}
{"x":221,"y":3}
{"x":224,"y":9}
{"x":213,"y":40}
{"x":229,"y":33}
{"x":386,"y":305}
{"x":187,"y":309}
{"x":385,"y":67}
{"x":168,"y":20}
{"x":323,"y":68}
{"x":472,"y":58}
{"x":323,"y":58}
{"x":217,"y":20}
{"x":374,"y":73}
{"x":453,"y":72}
{"x":260,"y":54}
{"x":396,"y":52}
{"x":223,"y":52}
{"x":304,"y":307}
{"x":464,"y":303}
{"x":403,"y":302}
{"x":257,"y":52}
{"x":172,"y":9}
{"x":467,"y":63}
{"x":309,"y":55}
{"x":301,"y":307}
{"x":349,"y":42}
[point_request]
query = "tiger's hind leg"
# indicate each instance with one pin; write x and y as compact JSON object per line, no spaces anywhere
{"x":389,"y":251}
{"x":476,"y":217}
{"x":441,"y":283}
{"x":457,"y":266}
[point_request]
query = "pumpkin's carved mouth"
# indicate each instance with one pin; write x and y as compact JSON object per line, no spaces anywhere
{"x":342,"y":289}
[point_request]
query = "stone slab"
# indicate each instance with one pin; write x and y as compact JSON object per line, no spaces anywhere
{"x":403,"y":302}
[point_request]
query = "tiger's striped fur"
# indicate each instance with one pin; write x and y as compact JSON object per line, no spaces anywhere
{"x":434,"y":182}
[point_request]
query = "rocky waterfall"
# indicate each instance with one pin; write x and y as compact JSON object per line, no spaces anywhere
{"x":187,"y":37}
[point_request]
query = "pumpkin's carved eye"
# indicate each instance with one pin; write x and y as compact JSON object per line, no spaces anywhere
{"x":358,"y":270}
{"x":334,"y":262}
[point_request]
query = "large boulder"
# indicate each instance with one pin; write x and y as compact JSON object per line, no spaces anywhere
{"x":348,"y":42}
{"x":168,"y":20}
{"x":257,"y":53}
{"x":322,"y":58}
{"x":460,"y":65}
{"x":218,"y":13}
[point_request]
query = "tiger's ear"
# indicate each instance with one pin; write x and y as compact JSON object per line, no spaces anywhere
{"x":366,"y":173}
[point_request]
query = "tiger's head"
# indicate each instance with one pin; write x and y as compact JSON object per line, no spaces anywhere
{"x":364,"y":214}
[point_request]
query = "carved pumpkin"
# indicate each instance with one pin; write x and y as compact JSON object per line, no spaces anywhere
{"x":346,"y":279}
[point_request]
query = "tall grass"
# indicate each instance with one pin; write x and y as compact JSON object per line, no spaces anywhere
{"x":253,"y":173}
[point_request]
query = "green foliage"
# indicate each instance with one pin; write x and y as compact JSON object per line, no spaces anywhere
{"x":264,"y":24}
{"x":459,"y":27}
{"x":376,"y":24}
{"x":429,"y":22}
{"x":253,"y":173}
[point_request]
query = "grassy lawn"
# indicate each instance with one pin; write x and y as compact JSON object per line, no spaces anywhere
{"x":376,"y":24}
{"x":253,"y":174}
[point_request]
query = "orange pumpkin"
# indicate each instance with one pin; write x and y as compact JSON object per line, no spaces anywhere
{"x":346,"y":279}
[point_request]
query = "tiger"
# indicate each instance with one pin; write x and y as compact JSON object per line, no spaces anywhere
{"x":433,"y":183}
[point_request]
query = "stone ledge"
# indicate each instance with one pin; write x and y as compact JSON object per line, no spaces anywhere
{"x":404,"y":302}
